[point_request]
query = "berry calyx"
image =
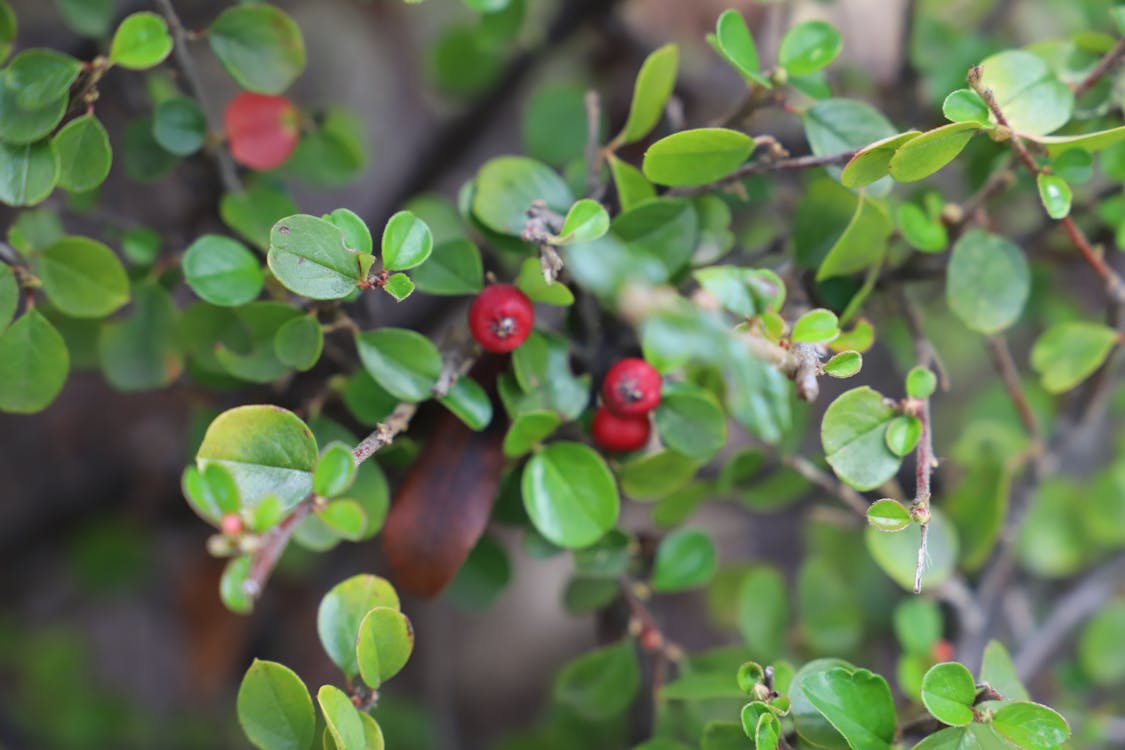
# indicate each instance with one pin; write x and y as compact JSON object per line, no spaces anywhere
{"x":231,"y":525}
{"x":501,"y":318}
{"x":618,"y":434}
{"x":631,"y":388}
{"x":262,"y":130}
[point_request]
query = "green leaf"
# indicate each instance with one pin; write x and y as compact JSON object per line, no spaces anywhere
{"x":724,"y":735}
{"x":897,"y":554}
{"x":342,"y":718}
{"x":888,"y":515}
{"x":23,"y":125}
{"x":978,"y":506}
{"x":852,"y":433}
{"x":84,"y":154}
{"x":384,"y":644}
{"x":267,"y":515}
{"x":601,"y":683}
{"x":763,"y":612}
{"x":922,"y":231}
{"x":180,"y":127}
{"x":259,"y":45}
{"x":299,"y":342}
{"x":729,"y":285}
{"x":344,"y":517}
{"x":655,"y":81}
{"x":357,"y":236}
{"x":531,"y":282}
{"x":331,"y":154}
{"x":917,"y":624}
{"x":862,"y":243}
{"x":553,"y":123}
{"x":407,"y":242}
{"x":1031,"y":725}
{"x":454,"y":267}
{"x":1055,"y":195}
{"x":28,"y":173}
{"x":9,"y":295}
{"x":586,"y":221}
{"x":987,"y":282}
{"x":836,"y":125}
{"x":808,"y":47}
{"x":143,"y":351}
{"x":920,"y":382}
{"x":404,"y":362}
{"x":222,"y":271}
{"x":948,"y":691}
{"x":144,"y":159}
{"x":690,"y":421}
{"x":633,"y":188}
{"x":1052,"y":541}
{"x":399,"y":286}
{"x":1034,"y":101}
{"x":685,"y":559}
{"x":240,"y":341}
{"x":925,"y":154}
{"x":83,"y":278}
{"x":140,"y":42}
{"x":268,"y":450}
{"x":507,"y":186}
{"x":999,"y":672}
{"x":1098,"y":651}
{"x":570,"y":495}
{"x":903,"y":433}
{"x":253,"y":212}
{"x":341,"y":613}
{"x":873,"y":162}
{"x":1068,"y":353}
{"x":40,"y":77}
{"x":844,"y":364}
{"x":335,"y":471}
{"x":528,"y":430}
{"x":483,"y":576}
{"x":965,"y":105}
{"x":810,"y":724}
{"x":8,"y":28}
{"x":972,"y":737}
{"x":696,"y":157}
{"x":469,"y":402}
{"x":33,"y":364}
{"x":90,"y":18}
{"x":309,"y":257}
{"x":768,"y":733}
{"x":816,"y":326}
{"x":830,"y":614}
{"x":274,"y":708}
{"x":857,"y":703}
{"x":656,"y":475}
{"x":663,"y":230}
{"x":734,"y":41}
{"x":542,"y":369}
{"x":1090,"y":142}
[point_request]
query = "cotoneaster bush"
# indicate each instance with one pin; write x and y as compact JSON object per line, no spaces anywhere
{"x":644,"y":319}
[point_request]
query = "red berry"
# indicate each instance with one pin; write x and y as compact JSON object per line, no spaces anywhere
{"x":651,"y":639}
{"x":942,"y":651}
{"x":231,"y":525}
{"x":631,"y":387}
{"x":619,"y":434}
{"x":262,"y":130}
{"x":501,"y":318}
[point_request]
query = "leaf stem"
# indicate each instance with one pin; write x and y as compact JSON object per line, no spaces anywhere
{"x":1109,"y":61}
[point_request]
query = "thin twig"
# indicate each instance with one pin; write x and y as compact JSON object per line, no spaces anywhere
{"x":227,"y":171}
{"x":1109,"y":61}
{"x":766,"y":165}
{"x":826,"y":482}
{"x":594,"y":186}
{"x":1002,"y":359}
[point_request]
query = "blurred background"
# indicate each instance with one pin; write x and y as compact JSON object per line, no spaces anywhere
{"x":111,"y":631}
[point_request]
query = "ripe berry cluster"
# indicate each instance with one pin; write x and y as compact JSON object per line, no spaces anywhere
{"x":630,"y":391}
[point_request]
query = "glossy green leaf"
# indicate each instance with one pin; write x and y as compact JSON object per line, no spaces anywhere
{"x":33,"y":364}
{"x":600,"y":684}
{"x":816,"y":326}
{"x":241,"y":343}
{"x":342,"y":718}
{"x":965,"y":105}
{"x":407,"y":242}
{"x":663,"y":230}
{"x":383,"y":645}
{"x":8,"y":28}
{"x":531,"y":282}
{"x":856,"y":702}
{"x":40,"y":77}
{"x":873,"y":162}
{"x":888,"y":515}
{"x":507,"y":186}
{"x":180,"y":126}
{"x":83,"y":278}
{"x":542,"y":370}
{"x":971,"y":737}
{"x":222,"y":271}
{"x":1068,"y":353}
{"x":925,"y":154}
{"x":696,"y":157}
{"x":253,"y":212}
{"x":685,"y":559}
{"x":586,"y":221}
{"x":1031,"y":725}
{"x":844,"y":365}
{"x":657,"y":475}
{"x":852,"y":433}
{"x":729,"y":285}
{"x":633,"y":188}
{"x":357,"y":236}
{"x":333,"y":152}
{"x":987,"y":282}
{"x":309,"y":257}
{"x":141,"y":41}
{"x":1091,"y":142}
{"x":734,"y":40}
{"x":259,"y":45}
{"x":920,"y":382}
{"x":267,"y":515}
{"x":833,"y":126}
{"x":454,"y":267}
{"x":335,"y":471}
{"x":948,"y":691}
{"x":268,"y":451}
{"x":924,"y":232}
{"x":553,"y":123}
{"x":570,"y":495}
{"x":528,"y":430}
{"x":84,"y":154}
{"x":342,"y":611}
{"x":862,"y":243}
{"x":903,"y":433}
{"x":897,"y":554}
{"x":1055,"y":195}
{"x":999,"y":672}
{"x":298,"y":342}
{"x":470,"y":402}
{"x":143,"y":351}
{"x":808,"y":47}
{"x":274,"y":708}
{"x":404,"y":362}
{"x":28,"y":173}
{"x":1034,"y":101}
{"x":690,"y":421}
{"x":655,"y":81}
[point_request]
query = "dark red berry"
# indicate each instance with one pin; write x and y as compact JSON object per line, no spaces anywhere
{"x":231,"y":525}
{"x":501,"y":318}
{"x":262,"y":131}
{"x":631,"y":387}
{"x":619,"y":434}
